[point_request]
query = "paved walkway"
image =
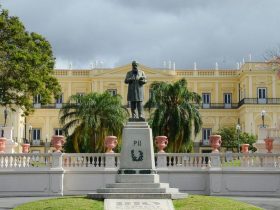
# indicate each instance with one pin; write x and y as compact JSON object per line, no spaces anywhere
{"x":265,"y":203}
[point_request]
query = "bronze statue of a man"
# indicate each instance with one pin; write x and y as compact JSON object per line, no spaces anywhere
{"x":135,"y":80}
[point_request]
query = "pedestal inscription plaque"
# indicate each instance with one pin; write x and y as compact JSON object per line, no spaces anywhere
{"x":139,"y":204}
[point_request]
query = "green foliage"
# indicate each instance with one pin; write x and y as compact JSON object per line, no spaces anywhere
{"x":231,"y":138}
{"x":175,"y":113}
{"x":88,"y":119}
{"x":26,"y":65}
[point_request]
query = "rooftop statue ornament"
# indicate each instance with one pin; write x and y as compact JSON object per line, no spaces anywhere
{"x":135,"y":80}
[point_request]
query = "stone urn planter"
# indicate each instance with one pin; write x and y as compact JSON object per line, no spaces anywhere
{"x":215,"y":142}
{"x":110,"y":143}
{"x":161,"y":142}
{"x":245,"y":148}
{"x":2,"y":144}
{"x":25,"y":148}
{"x":57,"y":142}
{"x":269,"y":144}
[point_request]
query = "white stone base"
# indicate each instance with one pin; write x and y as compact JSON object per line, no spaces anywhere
{"x":137,"y":166}
{"x":10,"y":146}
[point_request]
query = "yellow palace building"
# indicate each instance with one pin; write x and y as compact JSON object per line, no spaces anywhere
{"x":230,"y":97}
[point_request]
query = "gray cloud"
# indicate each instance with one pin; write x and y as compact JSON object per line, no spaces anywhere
{"x":118,"y":31}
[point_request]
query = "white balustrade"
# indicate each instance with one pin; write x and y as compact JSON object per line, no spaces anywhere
{"x":163,"y":160}
{"x":12,"y":160}
{"x":90,"y":160}
{"x":251,"y":160}
{"x":182,"y":160}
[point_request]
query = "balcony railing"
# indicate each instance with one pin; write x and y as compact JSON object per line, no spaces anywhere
{"x":219,"y":106}
{"x":37,"y":143}
{"x":48,"y":106}
{"x":243,"y":101}
{"x":259,"y":101}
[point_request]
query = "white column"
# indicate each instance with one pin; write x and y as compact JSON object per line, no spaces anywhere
{"x":69,"y":89}
{"x":47,"y":127}
{"x":250,"y":87}
{"x":237,"y":93}
{"x":249,"y":118}
{"x":217,"y":93}
{"x":273,"y":87}
{"x":93,"y":87}
{"x":195,"y":87}
{"x":100,"y":86}
{"x":122,"y":92}
{"x":274,"y":119}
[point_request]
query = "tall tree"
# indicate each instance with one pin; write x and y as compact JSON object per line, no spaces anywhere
{"x":175,"y":113}
{"x":26,"y":65}
{"x":88,"y":119}
{"x":272,"y":57}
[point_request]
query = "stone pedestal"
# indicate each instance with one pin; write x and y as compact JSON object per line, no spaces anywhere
{"x":137,"y":147}
{"x":137,"y":177}
{"x":10,"y":144}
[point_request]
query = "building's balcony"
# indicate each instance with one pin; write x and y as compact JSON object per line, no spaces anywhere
{"x":49,"y":106}
{"x":261,"y":101}
{"x":243,"y":101}
{"x":37,"y":143}
{"x":219,"y":106}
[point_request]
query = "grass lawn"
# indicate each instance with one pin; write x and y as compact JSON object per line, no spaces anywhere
{"x":193,"y":202}
{"x":200,"y":202}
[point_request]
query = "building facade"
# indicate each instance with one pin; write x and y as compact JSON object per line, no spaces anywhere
{"x":229,"y":97}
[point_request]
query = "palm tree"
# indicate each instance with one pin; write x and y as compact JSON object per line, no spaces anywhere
{"x":175,"y":113}
{"x":92,"y":117}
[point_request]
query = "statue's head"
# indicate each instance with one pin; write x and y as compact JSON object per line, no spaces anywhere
{"x":134,"y":64}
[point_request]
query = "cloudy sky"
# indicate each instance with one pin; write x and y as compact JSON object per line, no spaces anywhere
{"x":153,"y":31}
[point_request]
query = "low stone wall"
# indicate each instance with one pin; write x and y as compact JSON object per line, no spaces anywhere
{"x":31,"y":182}
{"x":78,"y":174}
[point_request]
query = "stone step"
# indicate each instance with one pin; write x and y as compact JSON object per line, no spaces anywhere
{"x":101,"y":196}
{"x":129,"y":196}
{"x":138,"y":185}
{"x":172,"y":190}
{"x":132,"y":190}
{"x":137,"y":178}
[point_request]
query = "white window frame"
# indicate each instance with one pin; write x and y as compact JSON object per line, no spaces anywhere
{"x":227,"y":100}
{"x":59,"y":101}
{"x":262,"y":95}
{"x":58,"y":131}
{"x":36,"y":132}
{"x":206,"y":100}
{"x":37,"y":101}
{"x":79,"y":94}
{"x":206,"y":132}
{"x":112,"y":91}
